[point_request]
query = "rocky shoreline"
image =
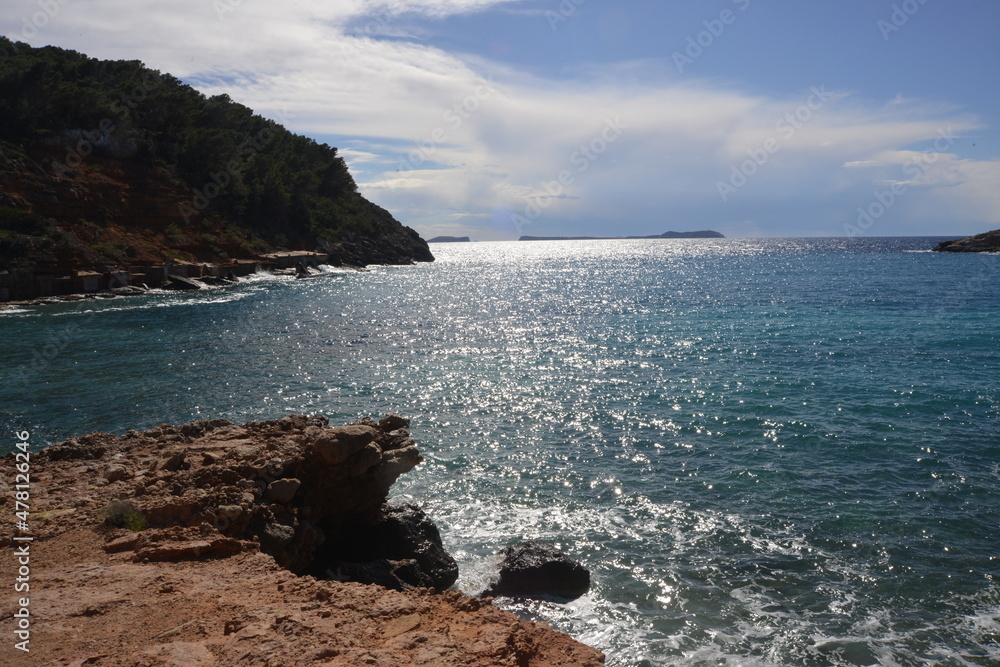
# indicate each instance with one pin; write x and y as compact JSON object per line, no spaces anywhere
{"x":191,"y":278}
{"x":29,"y":288}
{"x":212,"y":543}
{"x":986,"y":242}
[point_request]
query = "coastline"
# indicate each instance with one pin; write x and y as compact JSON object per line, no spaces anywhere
{"x":196,"y":537}
{"x":495,"y":451}
{"x":188,"y":277}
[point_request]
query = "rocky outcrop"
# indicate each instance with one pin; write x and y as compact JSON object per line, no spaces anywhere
{"x":144,"y":170}
{"x":402,"y":550}
{"x":389,"y":243}
{"x":539,"y":570}
{"x":201,"y":538}
{"x":987,"y":242}
{"x":289,"y":486}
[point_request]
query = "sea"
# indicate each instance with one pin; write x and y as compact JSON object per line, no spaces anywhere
{"x":766,"y":451}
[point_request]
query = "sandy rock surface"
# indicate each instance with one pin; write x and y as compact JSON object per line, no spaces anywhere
{"x":195,"y":587}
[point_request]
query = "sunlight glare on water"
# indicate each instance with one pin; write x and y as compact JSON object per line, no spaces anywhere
{"x":773,"y":452}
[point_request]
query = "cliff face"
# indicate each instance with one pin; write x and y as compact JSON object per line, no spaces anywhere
{"x":184,"y":546}
{"x":107,"y":164}
{"x":988,"y":242}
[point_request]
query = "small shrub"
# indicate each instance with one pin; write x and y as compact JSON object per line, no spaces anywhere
{"x":121,"y":514}
{"x":22,"y":222}
{"x":114,"y":252}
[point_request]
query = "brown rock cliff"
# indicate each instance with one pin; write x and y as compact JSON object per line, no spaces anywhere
{"x":218,"y":520}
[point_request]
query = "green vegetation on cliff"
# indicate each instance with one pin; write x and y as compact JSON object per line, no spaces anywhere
{"x":105,"y":163}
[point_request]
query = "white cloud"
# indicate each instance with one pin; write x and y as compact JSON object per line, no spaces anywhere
{"x":442,"y":136}
{"x":353,"y":156}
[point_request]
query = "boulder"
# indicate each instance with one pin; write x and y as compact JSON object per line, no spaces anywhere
{"x":539,"y":570}
{"x":115,"y":472}
{"x":402,"y":550}
{"x":171,"y":462}
{"x":283,"y":490}
{"x":396,"y":462}
{"x":182,"y":283}
{"x":392,"y":422}
{"x":337,"y":445}
{"x":407,"y":532}
{"x":276,"y":536}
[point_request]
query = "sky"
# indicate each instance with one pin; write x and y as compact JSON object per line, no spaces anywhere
{"x":498,"y":118}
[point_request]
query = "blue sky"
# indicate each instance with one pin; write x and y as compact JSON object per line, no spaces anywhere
{"x":495,"y":118}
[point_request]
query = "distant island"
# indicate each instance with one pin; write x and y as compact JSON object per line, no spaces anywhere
{"x":987,"y":242}
{"x":705,"y":234}
{"x":450,"y":239}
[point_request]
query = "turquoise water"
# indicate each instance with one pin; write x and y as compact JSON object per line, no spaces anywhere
{"x":768,"y":452}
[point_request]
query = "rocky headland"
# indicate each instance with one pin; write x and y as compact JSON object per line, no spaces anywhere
{"x":113,"y":174}
{"x":987,"y":242}
{"x":264,"y":544}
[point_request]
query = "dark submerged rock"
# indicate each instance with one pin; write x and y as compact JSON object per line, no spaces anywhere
{"x":535,"y":569}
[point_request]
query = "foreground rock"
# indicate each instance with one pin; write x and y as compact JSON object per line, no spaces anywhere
{"x":288,"y":487}
{"x":536,"y":570}
{"x":988,"y":242}
{"x":400,"y":551}
{"x":193,"y":537}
